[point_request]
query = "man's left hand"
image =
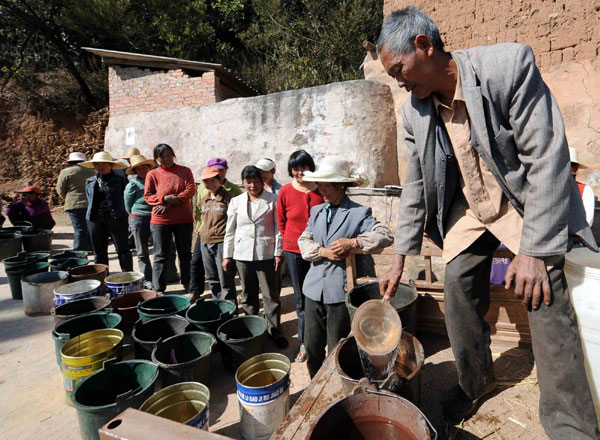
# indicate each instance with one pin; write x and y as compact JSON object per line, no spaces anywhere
{"x":530,"y":280}
{"x":277,"y":263}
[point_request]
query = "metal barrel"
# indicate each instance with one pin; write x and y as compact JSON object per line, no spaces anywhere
{"x":38,"y":291}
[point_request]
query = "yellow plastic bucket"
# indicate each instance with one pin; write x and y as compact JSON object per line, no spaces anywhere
{"x":85,"y":354}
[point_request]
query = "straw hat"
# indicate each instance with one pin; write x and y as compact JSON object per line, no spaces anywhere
{"x":336,"y":169}
{"x":209,"y":172}
{"x":76,"y":156}
{"x":574,"y":156}
{"x":265,"y":164}
{"x":131,"y":152}
{"x":137,"y":161}
{"x":103,"y":156}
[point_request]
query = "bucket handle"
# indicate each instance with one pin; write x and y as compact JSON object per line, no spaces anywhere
{"x":382,"y":393}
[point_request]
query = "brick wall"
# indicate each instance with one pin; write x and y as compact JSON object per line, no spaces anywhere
{"x":138,"y":90}
{"x":558,"y":31}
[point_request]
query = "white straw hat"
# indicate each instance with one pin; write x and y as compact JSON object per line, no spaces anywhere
{"x":265,"y":164}
{"x":76,"y":156}
{"x":132,"y":152}
{"x":336,"y":169}
{"x":574,"y":157}
{"x":103,"y":156}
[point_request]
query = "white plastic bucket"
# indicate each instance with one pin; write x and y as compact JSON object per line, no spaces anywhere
{"x":263,"y":393}
{"x":582,"y":270}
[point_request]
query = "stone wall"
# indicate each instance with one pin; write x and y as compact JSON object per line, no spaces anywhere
{"x":354,"y":119}
{"x":137,"y":90}
{"x":558,"y":31}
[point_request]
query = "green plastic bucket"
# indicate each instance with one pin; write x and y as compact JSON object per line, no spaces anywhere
{"x":86,"y":353}
{"x":65,"y":331}
{"x":22,"y":259}
{"x":69,"y":254}
{"x":108,"y":392}
{"x":185,"y":402}
{"x":147,"y":334}
{"x":242,"y":338}
{"x":185,"y":358}
{"x":15,"y":274}
{"x":163,"y":305}
{"x":66,"y":263}
{"x":208,"y":315}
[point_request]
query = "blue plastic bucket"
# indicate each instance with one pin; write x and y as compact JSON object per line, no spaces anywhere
{"x":124,"y":282}
{"x":263,"y":384}
{"x":77,"y":290}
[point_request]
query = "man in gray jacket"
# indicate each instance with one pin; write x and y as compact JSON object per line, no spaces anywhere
{"x":484,"y":138}
{"x":71,"y":187}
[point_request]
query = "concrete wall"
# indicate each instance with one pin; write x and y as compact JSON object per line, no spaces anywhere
{"x":354,"y":119}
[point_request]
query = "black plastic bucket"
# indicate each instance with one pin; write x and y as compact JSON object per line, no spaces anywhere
{"x":163,"y":305}
{"x":10,"y":244}
{"x":80,"y":307}
{"x":242,"y":338}
{"x":15,"y":274}
{"x":147,"y":334}
{"x":37,"y":240}
{"x":208,"y":315}
{"x":405,"y":301}
{"x":185,"y":358}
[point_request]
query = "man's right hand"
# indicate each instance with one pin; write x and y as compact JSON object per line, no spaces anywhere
{"x":388,"y":282}
{"x":227,"y":264}
{"x":330,"y":255}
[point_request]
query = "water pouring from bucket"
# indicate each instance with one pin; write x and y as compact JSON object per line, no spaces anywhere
{"x":377,"y":329}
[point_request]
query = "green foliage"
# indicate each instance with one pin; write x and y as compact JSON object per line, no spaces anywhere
{"x":272,"y":44}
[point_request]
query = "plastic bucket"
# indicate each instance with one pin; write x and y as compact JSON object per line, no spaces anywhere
{"x":69,"y":254}
{"x":15,"y":274}
{"x":110,"y":391}
{"x":66,"y":263}
{"x":77,"y":290}
{"x":408,"y":367}
{"x":147,"y":334}
{"x":41,"y":256}
{"x":126,"y":305}
{"x":38,"y":291}
{"x":30,"y":257}
{"x":242,"y":338}
{"x":185,"y":358}
{"x":37,"y":240}
{"x":10,"y":244}
{"x":20,"y":228}
{"x":371,"y":415}
{"x":124,"y":282}
{"x":86,"y":353}
{"x":79,"y":325}
{"x":263,"y":394}
{"x":208,"y":315}
{"x":163,"y":305}
{"x":405,"y":301}
{"x":80,"y":307}
{"x":185,"y":403}
{"x":582,"y":271}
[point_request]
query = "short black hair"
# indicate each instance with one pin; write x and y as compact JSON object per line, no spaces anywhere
{"x":299,"y":159}
{"x":251,"y":172}
{"x":160,"y":149}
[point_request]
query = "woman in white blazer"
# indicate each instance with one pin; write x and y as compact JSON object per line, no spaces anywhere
{"x":252,"y":239}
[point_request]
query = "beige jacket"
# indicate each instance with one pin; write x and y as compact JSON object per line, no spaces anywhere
{"x":71,"y":186}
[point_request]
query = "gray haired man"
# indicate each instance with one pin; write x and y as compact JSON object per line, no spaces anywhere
{"x":484,"y":138}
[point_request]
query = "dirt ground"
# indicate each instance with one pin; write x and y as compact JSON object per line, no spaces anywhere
{"x":32,"y":404}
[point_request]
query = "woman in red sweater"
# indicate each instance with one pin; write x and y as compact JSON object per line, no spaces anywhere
{"x":293,"y":210}
{"x":169,"y":190}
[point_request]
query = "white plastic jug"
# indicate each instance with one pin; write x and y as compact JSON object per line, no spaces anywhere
{"x":582,"y":270}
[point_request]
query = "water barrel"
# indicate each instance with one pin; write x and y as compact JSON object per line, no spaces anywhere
{"x":185,"y":402}
{"x":124,"y":282}
{"x":185,"y":358}
{"x":163,"y":305}
{"x":242,"y":338}
{"x":37,"y":240}
{"x":408,"y":367}
{"x":582,"y":270}
{"x":263,"y":383}
{"x":405,"y":301}
{"x":65,"y":331}
{"x":110,"y":391}
{"x":38,"y":291}
{"x":208,"y":315}
{"x":126,"y":305}
{"x":10,"y":244}
{"x":77,"y":290}
{"x":80,"y":307}
{"x":372,"y":415}
{"x":86,"y":353}
{"x":15,"y":274}
{"x":147,"y":334}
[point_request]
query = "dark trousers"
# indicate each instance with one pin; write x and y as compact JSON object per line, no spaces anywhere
{"x":197,"y":274}
{"x":325,"y":324}
{"x":100,"y":227}
{"x":566,"y":408}
{"x":163,"y":235}
{"x":81,"y":235}
{"x":221,"y":283}
{"x":298,"y":268}
{"x":255,"y":276}
{"x":140,"y":228}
